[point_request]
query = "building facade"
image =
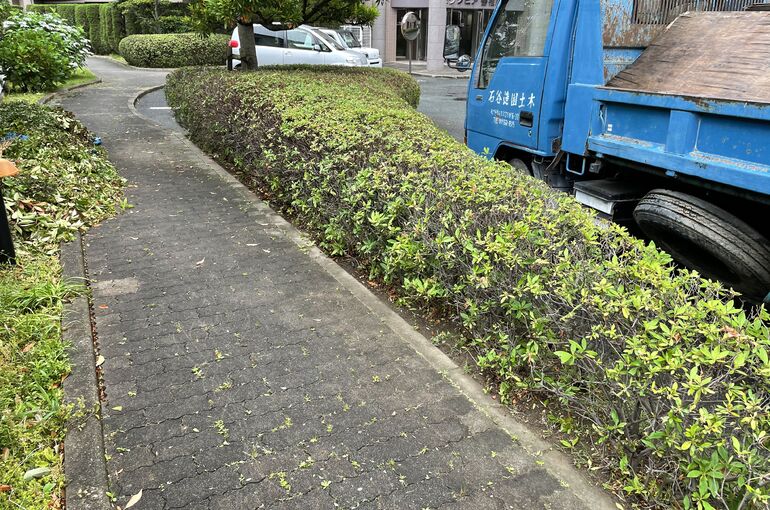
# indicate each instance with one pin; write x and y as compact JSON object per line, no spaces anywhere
{"x":470,"y":16}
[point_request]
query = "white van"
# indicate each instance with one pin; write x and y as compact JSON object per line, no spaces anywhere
{"x":347,"y":39}
{"x":302,"y":45}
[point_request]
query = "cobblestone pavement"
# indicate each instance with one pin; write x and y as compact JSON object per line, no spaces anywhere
{"x":240,"y":374}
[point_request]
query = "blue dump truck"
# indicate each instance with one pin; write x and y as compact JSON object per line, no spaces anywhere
{"x":656,"y":113}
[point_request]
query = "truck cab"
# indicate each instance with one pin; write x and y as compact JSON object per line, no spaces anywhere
{"x":652,"y":112}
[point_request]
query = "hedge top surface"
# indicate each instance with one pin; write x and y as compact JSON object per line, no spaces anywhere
{"x":657,"y":369}
{"x":174,"y":50}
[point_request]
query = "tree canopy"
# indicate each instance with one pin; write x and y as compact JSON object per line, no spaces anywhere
{"x":283,"y":13}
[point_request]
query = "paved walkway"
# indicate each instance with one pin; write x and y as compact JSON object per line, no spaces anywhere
{"x":240,"y":373}
{"x":420,"y":69}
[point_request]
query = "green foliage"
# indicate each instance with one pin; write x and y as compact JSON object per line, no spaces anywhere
{"x":64,"y":184}
{"x":140,"y":18}
{"x":653,"y":369}
{"x":174,"y":50}
{"x":107,"y":23}
{"x":266,"y":12}
{"x":5,"y":10}
{"x":39,"y":50}
{"x":33,"y":60}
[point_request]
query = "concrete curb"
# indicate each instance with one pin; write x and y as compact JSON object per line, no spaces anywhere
{"x":557,"y":463}
{"x":134,"y":68}
{"x":429,"y":75}
{"x":85,"y":466}
{"x":48,"y":97}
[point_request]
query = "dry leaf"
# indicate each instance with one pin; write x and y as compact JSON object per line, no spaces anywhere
{"x":28,"y":347}
{"x":5,"y":488}
{"x":201,"y":261}
{"x":117,"y":408}
{"x":103,"y":307}
{"x":134,"y":500}
{"x":100,"y":361}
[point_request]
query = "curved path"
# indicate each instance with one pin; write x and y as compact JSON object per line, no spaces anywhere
{"x":245,"y":370}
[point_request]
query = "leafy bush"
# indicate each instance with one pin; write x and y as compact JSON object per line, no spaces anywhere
{"x":140,"y":16}
{"x":38,"y":51}
{"x":658,"y":373}
{"x":65,"y":184}
{"x":171,"y":25}
{"x":174,"y":50}
{"x":107,"y":23}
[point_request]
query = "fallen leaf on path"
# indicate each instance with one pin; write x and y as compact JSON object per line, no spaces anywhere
{"x":103,"y":307}
{"x":134,"y":500}
{"x":100,"y":361}
{"x":201,"y":261}
{"x":118,"y":409}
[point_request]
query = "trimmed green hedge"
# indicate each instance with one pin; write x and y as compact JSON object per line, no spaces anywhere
{"x":655,"y":372}
{"x":97,"y":20}
{"x":107,"y":23}
{"x":174,"y":50}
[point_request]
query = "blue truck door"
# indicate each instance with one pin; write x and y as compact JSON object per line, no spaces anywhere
{"x":505,"y":91}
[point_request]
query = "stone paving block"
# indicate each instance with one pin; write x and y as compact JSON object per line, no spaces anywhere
{"x":241,"y":374}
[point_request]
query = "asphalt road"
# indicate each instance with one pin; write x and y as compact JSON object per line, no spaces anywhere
{"x":154,"y":106}
{"x":441,"y":99}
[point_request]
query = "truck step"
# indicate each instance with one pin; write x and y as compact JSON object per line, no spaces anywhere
{"x":615,"y":199}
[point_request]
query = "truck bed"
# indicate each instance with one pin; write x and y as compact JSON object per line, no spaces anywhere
{"x":686,"y":61}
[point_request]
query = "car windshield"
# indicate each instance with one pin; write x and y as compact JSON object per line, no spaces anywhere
{"x":329,"y":40}
{"x":349,"y":38}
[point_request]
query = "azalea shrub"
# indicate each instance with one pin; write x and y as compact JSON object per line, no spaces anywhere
{"x":652,"y":373}
{"x":38,"y":51}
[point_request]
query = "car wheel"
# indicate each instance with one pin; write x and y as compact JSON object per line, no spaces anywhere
{"x":709,"y":239}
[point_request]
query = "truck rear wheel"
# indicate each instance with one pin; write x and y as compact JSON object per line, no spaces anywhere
{"x":707,"y":238}
{"x":520,"y":166}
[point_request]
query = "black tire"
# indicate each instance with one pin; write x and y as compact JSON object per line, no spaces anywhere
{"x":520,"y":166}
{"x":704,"y":237}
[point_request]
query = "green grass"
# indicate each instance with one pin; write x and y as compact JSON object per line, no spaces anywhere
{"x":81,"y":76}
{"x":72,"y":186}
{"x":119,"y":58}
{"x":33,"y":363}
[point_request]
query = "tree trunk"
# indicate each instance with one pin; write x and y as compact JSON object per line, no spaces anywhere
{"x":247,"y":50}
{"x":157,"y":9}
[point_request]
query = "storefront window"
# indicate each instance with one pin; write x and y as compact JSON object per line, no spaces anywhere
{"x":471,"y":24}
{"x":519,"y":30}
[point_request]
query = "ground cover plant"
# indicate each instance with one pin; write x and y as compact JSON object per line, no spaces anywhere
{"x":652,"y":371}
{"x":65,"y":184}
{"x":174,"y":50}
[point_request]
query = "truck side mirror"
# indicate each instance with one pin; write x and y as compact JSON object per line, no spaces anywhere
{"x":451,"y":42}
{"x":462,"y":63}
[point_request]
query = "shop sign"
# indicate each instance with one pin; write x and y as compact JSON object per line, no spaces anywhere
{"x":471,"y":4}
